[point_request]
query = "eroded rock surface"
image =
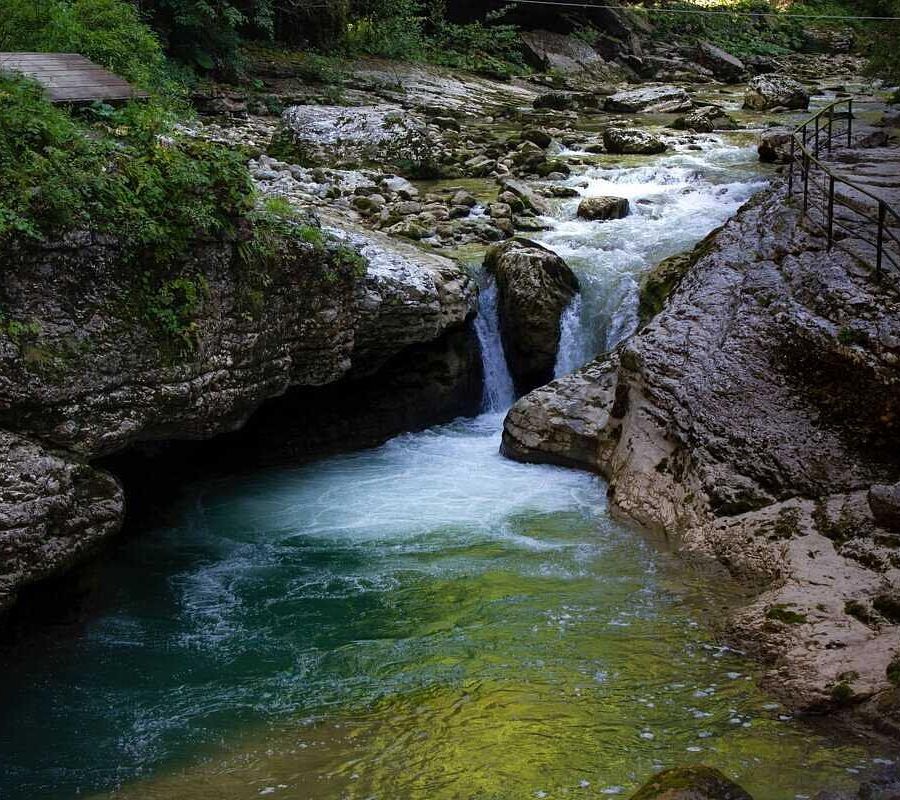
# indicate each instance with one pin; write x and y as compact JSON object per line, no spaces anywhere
{"x":651,"y":99}
{"x":632,"y":141}
{"x":54,"y":510}
{"x":766,"y":92}
{"x":772,"y":373}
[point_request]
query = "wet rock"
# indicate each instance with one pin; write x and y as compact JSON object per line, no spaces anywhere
{"x":534,"y":287}
{"x":500,"y":211}
{"x":400,"y":186}
{"x":775,"y":146}
{"x":55,"y":510}
{"x":691,"y":783}
{"x":558,"y":101}
{"x":603,"y":208}
{"x":706,"y":120}
{"x":766,"y":92}
{"x":546,"y":50}
{"x":884,"y":501}
{"x":632,"y":141}
{"x":761,"y":65}
{"x":463,"y":198}
{"x":722,"y":64}
{"x":529,"y":199}
{"x":653,"y":99}
{"x":538,"y":137}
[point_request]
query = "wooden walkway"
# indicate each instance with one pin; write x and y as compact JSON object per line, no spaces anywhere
{"x":69,"y":78}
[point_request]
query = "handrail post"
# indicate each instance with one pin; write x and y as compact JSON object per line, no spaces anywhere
{"x":817,"y":136}
{"x":830,"y":211}
{"x":882,"y":209}
{"x":850,"y":122}
{"x":830,"y":125}
{"x":791,"y":166}
{"x":805,"y":182}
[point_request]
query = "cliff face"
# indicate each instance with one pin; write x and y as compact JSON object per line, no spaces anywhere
{"x":98,"y":354}
{"x":772,"y":373}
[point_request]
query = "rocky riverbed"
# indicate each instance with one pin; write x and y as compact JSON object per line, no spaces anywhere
{"x":731,"y":420}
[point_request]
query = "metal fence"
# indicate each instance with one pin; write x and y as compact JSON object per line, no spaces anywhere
{"x":850,"y":214}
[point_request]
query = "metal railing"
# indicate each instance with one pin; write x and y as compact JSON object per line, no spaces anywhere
{"x":867,"y":219}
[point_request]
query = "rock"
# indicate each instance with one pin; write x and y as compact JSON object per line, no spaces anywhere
{"x":55,"y":510}
{"x":706,"y":120}
{"x":411,"y":229}
{"x":330,"y":135}
{"x":463,"y":198}
{"x":775,"y":146}
{"x":558,"y":101}
{"x":538,"y":137}
{"x":499,"y":211}
{"x":765,"y":92}
{"x":603,"y":208}
{"x":400,"y":186}
{"x":534,"y":286}
{"x":690,"y":783}
{"x":653,"y":99}
{"x":722,"y":64}
{"x":528,"y":198}
{"x":885,"y":504}
{"x":632,"y":141}
{"x":545,"y":50}
{"x":761,"y":65}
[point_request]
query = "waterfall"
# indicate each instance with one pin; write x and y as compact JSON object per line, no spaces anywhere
{"x":499,"y":392}
{"x":572,"y":351}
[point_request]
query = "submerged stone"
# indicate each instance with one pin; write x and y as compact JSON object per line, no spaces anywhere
{"x":603,"y":208}
{"x":691,"y":783}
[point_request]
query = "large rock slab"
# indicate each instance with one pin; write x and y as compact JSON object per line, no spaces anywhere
{"x":650,"y":100}
{"x":54,"y":511}
{"x":534,"y":286}
{"x":96,"y":374}
{"x":765,"y":92}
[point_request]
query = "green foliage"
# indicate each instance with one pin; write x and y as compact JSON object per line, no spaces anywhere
{"x":893,"y":670}
{"x":172,"y":305}
{"x":121,"y":173}
{"x":745,"y":36}
{"x":781,"y":613}
{"x":109,"y":32}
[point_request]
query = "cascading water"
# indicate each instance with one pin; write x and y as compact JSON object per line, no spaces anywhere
{"x":425,"y":619}
{"x":499,"y":392}
{"x":571,"y":353}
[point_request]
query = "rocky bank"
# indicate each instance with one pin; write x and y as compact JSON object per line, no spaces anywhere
{"x":87,"y":371}
{"x":749,"y":420}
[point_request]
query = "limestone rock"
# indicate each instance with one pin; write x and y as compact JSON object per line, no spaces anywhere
{"x":54,"y":511}
{"x":723,"y":65}
{"x":558,"y":101}
{"x":632,"y":141}
{"x":691,"y":783}
{"x":775,"y":146}
{"x":534,"y":286}
{"x":885,"y":504}
{"x":706,"y":120}
{"x":765,"y":92}
{"x":603,"y":208}
{"x":652,"y":99}
{"x":546,"y":50}
{"x":525,"y":195}
{"x":334,"y":134}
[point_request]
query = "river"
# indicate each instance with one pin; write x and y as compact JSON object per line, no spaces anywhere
{"x":424,"y":619}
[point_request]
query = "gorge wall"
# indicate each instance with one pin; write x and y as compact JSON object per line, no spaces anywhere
{"x":88,"y":368}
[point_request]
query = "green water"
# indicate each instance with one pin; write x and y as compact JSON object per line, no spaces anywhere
{"x":423,"y":620}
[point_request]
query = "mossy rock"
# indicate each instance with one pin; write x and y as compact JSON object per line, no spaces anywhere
{"x":691,"y":783}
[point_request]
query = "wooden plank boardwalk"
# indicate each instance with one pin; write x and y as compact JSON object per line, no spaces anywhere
{"x":70,"y":78}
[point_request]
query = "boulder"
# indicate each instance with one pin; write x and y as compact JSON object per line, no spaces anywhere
{"x":534,"y":286}
{"x":652,"y":99}
{"x":765,"y":92}
{"x":546,"y":50}
{"x":775,"y":146}
{"x":632,"y":141}
{"x":884,"y":500}
{"x":603,"y":208}
{"x":706,"y":120}
{"x":722,"y":64}
{"x":691,"y":783}
{"x":538,"y":137}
